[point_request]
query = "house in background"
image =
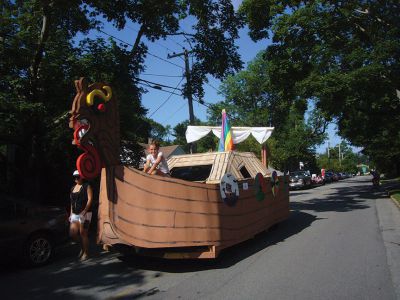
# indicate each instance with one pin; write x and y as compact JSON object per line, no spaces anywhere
{"x":363,"y":169}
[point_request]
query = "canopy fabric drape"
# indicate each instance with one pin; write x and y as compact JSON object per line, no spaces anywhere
{"x":239,"y":134}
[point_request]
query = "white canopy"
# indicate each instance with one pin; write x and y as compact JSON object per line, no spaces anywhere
{"x":239,"y":134}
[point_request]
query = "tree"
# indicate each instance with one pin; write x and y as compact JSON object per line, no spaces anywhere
{"x":158,"y":132}
{"x":345,"y":161}
{"x":168,"y":132}
{"x":250,"y":100}
{"x":295,"y":142}
{"x":40,"y":58}
{"x":205,"y":144}
{"x":39,"y":62}
{"x":345,"y":56}
{"x":248,"y":97}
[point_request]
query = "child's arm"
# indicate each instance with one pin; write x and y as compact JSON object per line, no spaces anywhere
{"x":157,"y":162}
{"x":146,"y":165}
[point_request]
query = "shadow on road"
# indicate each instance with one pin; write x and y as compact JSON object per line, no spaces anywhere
{"x":66,"y":277}
{"x":342,"y":198}
{"x":329,"y":204}
{"x":297,"y":222}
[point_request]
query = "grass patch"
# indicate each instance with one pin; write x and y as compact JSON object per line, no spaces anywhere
{"x":390,"y":179}
{"x":395,"y":194}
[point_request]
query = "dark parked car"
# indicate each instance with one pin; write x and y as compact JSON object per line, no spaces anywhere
{"x":299,"y":179}
{"x":328,"y":177}
{"x":335,"y":176}
{"x":340,"y":175}
{"x":30,"y":232}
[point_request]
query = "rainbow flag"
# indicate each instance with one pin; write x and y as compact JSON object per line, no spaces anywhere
{"x":226,"y":141}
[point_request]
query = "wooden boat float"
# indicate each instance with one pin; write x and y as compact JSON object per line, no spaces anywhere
{"x":176,"y":218}
{"x":211,"y":202}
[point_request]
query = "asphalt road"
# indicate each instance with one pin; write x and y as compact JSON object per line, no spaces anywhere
{"x":341,"y":241}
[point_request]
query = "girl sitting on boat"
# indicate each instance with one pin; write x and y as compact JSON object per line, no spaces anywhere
{"x":156,"y":163}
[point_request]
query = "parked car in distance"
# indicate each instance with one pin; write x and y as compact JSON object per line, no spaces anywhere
{"x":299,"y":179}
{"x":335,"y":176}
{"x":328,"y":177}
{"x":30,"y":232}
{"x":347,"y":175}
{"x":317,"y":180}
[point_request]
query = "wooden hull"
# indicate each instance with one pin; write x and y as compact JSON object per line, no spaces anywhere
{"x":182,"y":219}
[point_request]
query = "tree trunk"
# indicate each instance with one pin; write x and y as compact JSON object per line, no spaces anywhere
{"x":33,"y":96}
{"x":38,"y":56}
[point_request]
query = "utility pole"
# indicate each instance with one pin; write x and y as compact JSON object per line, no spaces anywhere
{"x":340,"y":162}
{"x":329,"y":156}
{"x":188,"y":95}
{"x":328,"y":150}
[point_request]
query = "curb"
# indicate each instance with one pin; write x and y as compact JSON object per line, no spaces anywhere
{"x":390,"y":188}
{"x":395,"y":202}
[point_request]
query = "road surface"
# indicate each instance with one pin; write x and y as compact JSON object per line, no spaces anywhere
{"x":342,"y":241}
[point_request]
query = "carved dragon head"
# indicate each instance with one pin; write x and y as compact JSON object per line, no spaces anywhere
{"x":94,"y":119}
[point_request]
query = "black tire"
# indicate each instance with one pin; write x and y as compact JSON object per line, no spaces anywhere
{"x":38,"y":250}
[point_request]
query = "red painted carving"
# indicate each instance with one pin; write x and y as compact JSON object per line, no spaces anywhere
{"x":94,"y":118}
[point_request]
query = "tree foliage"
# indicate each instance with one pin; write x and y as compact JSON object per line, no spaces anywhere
{"x":345,"y":56}
{"x":208,"y":143}
{"x":344,"y":161}
{"x":41,"y":56}
{"x":251,"y":100}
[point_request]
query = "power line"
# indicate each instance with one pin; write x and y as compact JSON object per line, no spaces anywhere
{"x":156,"y":56}
{"x":171,"y":63}
{"x":147,"y":83}
{"x":137,"y":31}
{"x":149,"y":53}
{"x":169,"y":37}
{"x":157,"y":84}
{"x":213,"y":87}
{"x":184,"y":104}
{"x":166,"y":100}
{"x":202,"y":102}
{"x":160,"y":75}
{"x":159,"y":89}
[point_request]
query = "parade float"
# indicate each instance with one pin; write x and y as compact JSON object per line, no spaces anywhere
{"x":211,"y":201}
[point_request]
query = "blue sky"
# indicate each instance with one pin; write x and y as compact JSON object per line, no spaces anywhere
{"x":170,"y":109}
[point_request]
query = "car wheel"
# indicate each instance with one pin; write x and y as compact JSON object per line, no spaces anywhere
{"x":38,"y":250}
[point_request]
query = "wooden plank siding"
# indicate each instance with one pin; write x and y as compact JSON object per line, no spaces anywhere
{"x":159,"y":212}
{"x":222,"y":162}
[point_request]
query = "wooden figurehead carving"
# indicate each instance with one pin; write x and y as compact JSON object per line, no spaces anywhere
{"x":95,"y":121}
